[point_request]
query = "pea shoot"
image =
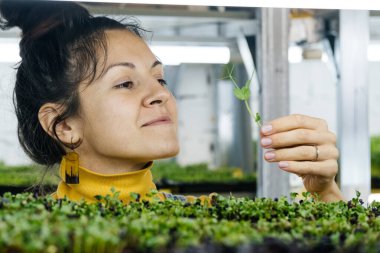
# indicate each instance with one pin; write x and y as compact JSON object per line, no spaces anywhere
{"x":244,"y":93}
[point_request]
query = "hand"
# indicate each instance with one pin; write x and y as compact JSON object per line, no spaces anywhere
{"x":304,"y":146}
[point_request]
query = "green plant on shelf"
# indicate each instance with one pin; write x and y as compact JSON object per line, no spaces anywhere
{"x":162,"y":170}
{"x":375,"y":155}
{"x":27,"y":175}
{"x":198,"y":173}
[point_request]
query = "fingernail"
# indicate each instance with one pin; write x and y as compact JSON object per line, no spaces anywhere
{"x":266,"y":129}
{"x":270,"y":155}
{"x":283,"y":164}
{"x":266,"y":141}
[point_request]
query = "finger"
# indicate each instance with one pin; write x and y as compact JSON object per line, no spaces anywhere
{"x":327,"y":168}
{"x":291,"y":122}
{"x":302,"y":153}
{"x":297,"y":137}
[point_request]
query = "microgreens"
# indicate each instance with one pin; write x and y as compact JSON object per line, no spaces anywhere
{"x":244,"y":93}
{"x":32,"y":223}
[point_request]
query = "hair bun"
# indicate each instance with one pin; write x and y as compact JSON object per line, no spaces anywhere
{"x":36,"y":17}
{"x":14,"y":13}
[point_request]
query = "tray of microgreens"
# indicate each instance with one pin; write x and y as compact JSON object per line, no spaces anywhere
{"x":32,"y":223}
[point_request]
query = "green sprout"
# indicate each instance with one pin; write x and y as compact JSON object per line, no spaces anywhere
{"x":244,"y":94}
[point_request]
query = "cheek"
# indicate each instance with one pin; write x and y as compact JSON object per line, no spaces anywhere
{"x":109,"y":115}
{"x":172,"y":107}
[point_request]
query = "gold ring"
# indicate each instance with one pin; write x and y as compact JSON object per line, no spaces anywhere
{"x":316,"y":153}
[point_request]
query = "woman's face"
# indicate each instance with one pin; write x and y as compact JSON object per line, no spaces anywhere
{"x":128,"y":115}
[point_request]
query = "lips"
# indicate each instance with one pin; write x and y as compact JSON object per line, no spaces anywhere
{"x":158,"y":121}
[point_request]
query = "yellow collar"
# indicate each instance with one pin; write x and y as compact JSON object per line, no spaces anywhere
{"x":92,"y":184}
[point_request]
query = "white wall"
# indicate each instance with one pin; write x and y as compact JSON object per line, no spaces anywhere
{"x":10,"y":149}
{"x":196,"y":116}
{"x":374,"y":98}
{"x":313,"y":91}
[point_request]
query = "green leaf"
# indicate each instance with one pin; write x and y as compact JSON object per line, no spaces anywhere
{"x":257,"y":118}
{"x":134,"y":196}
{"x":293,"y":195}
{"x":98,"y":197}
{"x":242,"y":93}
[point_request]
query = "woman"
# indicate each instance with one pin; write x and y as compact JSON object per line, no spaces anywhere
{"x":91,"y":95}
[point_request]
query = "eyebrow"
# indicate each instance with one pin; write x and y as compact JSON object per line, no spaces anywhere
{"x":128,"y":65}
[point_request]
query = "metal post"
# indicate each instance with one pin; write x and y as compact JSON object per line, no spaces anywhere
{"x":246,"y":54}
{"x":274,"y":78}
{"x":353,"y":129}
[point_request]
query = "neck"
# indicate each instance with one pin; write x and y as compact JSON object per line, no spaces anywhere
{"x":108,"y":166}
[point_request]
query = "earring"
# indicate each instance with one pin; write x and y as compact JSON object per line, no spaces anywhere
{"x":71,"y":160}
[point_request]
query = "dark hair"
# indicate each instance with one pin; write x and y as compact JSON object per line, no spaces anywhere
{"x":59,"y":49}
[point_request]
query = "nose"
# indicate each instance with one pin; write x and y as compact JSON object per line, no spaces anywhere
{"x":158,"y":95}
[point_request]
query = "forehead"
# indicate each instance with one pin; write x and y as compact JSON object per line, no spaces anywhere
{"x":123,"y":45}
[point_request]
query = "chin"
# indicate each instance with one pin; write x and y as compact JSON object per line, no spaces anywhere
{"x":167,"y":150}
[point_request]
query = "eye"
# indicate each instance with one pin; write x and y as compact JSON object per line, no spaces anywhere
{"x":127,"y":85}
{"x":162,"y":82}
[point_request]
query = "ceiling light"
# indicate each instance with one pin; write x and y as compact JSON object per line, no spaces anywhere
{"x":175,"y":55}
{"x":295,"y":54}
{"x":373,"y":52}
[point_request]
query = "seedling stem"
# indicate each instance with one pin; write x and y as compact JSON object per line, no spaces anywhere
{"x":244,"y":94}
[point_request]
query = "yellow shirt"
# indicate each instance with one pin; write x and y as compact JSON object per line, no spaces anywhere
{"x":92,"y":184}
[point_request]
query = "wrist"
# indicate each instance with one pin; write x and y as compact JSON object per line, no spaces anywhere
{"x":331,"y":194}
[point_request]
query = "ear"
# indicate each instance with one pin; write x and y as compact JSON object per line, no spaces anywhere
{"x":68,"y":130}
